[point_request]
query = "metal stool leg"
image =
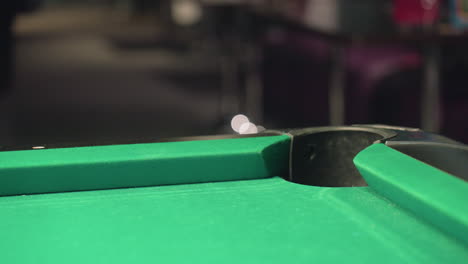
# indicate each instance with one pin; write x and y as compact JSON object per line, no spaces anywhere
{"x":336,"y":93}
{"x":430,"y":98}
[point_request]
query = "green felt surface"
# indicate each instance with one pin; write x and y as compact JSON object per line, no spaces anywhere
{"x":134,"y":165}
{"x":436,"y":196}
{"x":251,"y":221}
{"x":243,"y":216}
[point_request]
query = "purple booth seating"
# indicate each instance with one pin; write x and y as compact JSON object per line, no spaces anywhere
{"x":383,"y":84}
{"x":297,"y":72}
{"x":370,"y":65}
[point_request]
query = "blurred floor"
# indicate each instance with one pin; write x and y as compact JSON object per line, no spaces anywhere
{"x":73,"y":84}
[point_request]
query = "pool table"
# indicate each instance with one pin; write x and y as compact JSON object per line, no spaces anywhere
{"x":356,"y":194}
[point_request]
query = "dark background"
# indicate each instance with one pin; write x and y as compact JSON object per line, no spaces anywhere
{"x":96,"y":70}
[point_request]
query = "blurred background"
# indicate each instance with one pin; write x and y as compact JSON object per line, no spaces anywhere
{"x":76,"y":70}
